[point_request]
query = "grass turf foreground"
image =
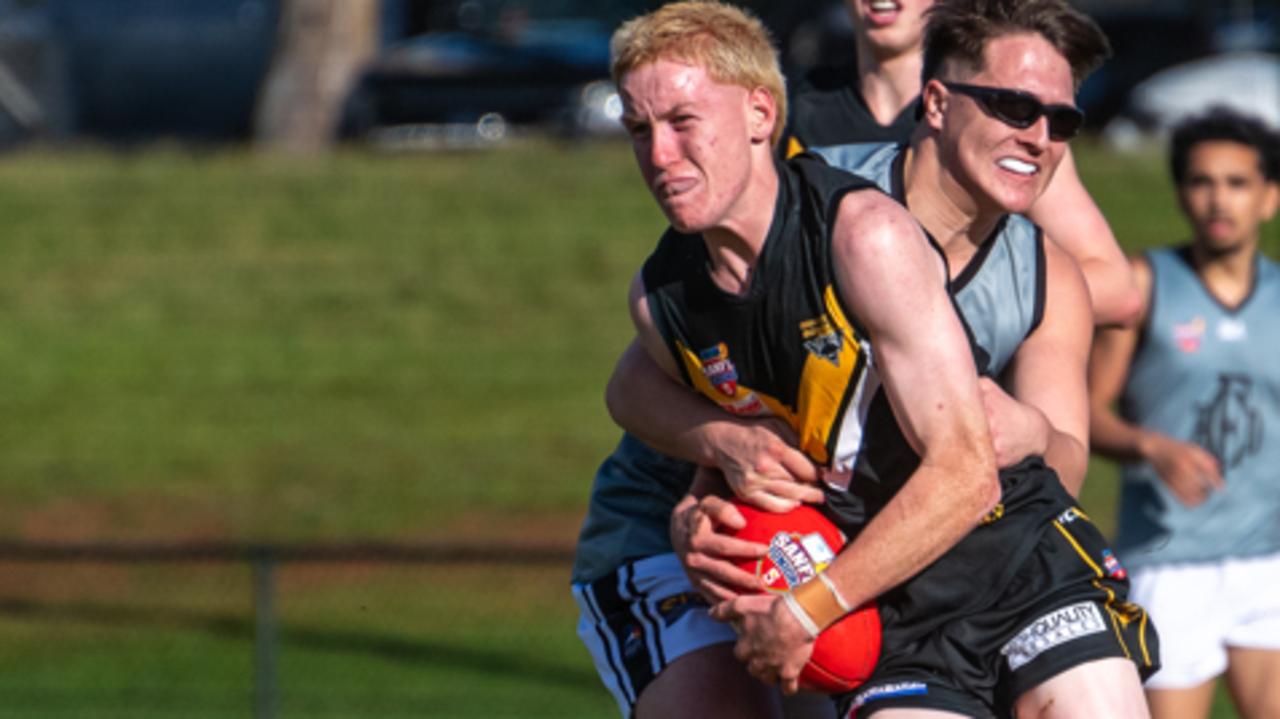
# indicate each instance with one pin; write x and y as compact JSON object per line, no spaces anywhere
{"x":407,"y":348}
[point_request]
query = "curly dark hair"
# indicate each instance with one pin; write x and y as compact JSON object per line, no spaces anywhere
{"x":1221,"y":123}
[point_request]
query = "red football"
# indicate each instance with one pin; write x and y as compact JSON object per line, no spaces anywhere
{"x":802,"y":543}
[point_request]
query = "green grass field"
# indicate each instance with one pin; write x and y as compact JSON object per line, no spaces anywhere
{"x":408,"y":348}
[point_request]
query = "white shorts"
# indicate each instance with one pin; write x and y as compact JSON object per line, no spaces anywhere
{"x":1201,"y":609}
{"x":641,"y":618}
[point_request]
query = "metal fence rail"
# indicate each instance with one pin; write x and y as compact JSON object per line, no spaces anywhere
{"x":264,"y":557}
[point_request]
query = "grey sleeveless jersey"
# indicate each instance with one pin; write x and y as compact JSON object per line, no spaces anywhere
{"x":1000,"y":296}
{"x":1207,"y":374}
{"x":1000,"y":293}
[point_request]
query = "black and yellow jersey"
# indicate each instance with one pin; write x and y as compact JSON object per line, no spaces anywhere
{"x":827,"y":108}
{"x":788,"y":347}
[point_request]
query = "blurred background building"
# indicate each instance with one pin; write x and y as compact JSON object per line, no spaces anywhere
{"x":432,"y":71}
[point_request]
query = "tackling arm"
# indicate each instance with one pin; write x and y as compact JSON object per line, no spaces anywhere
{"x":758,"y":457}
{"x":1048,"y":412}
{"x":927,"y":370}
{"x":1069,"y":216}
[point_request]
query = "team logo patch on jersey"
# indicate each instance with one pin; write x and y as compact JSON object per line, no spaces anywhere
{"x":1229,"y":426}
{"x":674,"y":607}
{"x":1112,"y":565}
{"x":1232,"y":330}
{"x":887,"y":691}
{"x":1051,"y":630}
{"x":1188,"y":335}
{"x":795,"y":559}
{"x":822,"y":340}
{"x":719,"y":369}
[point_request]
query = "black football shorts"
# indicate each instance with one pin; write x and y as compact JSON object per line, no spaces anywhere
{"x":1030,"y":593}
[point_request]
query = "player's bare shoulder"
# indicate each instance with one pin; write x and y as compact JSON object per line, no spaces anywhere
{"x":876,"y":237}
{"x":869,"y":221}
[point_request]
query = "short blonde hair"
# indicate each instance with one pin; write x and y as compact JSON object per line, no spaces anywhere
{"x":730,"y":43}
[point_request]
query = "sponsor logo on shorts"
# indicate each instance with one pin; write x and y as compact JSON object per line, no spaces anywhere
{"x":888,"y":691}
{"x":1070,"y":516}
{"x":674,"y":607}
{"x":1051,"y":630}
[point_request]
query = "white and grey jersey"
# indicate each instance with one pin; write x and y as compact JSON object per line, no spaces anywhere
{"x":1205,"y":373}
{"x":1000,"y":293}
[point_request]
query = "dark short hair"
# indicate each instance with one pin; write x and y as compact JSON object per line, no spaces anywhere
{"x":959,"y":30}
{"x":1222,"y":124}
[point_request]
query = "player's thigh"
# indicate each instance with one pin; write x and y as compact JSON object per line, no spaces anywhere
{"x":1187,"y":703}
{"x":1100,"y":688}
{"x":1253,"y":676}
{"x":709,"y":682}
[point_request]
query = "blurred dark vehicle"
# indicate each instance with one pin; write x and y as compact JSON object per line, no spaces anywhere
{"x":135,"y":70}
{"x":481,"y":69}
{"x":146,"y":68}
{"x":33,"y":75}
{"x":1232,"y":61}
{"x":479,"y":79}
{"x":1143,"y":42}
{"x":1247,"y":82}
{"x":129,"y":70}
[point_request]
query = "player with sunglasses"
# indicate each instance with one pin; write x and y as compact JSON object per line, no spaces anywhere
{"x":1022,"y":110}
{"x":876,"y":99}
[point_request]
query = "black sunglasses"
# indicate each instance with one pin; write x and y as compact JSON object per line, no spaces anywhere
{"x":1022,"y":110}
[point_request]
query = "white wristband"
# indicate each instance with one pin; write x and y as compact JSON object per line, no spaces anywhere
{"x":801,"y":615}
{"x":835,"y":592}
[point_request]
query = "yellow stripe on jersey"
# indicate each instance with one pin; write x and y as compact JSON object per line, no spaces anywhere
{"x":828,"y":375}
{"x":833,"y":354}
{"x":832,"y":358}
{"x":793,"y":147}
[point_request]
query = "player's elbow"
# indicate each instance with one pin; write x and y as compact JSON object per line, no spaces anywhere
{"x":1117,"y":303}
{"x":1130,"y":305}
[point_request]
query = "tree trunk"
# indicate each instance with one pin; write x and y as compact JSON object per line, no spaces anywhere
{"x":322,"y":45}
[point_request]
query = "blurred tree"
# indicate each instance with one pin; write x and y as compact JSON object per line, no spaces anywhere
{"x":322,"y":45}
